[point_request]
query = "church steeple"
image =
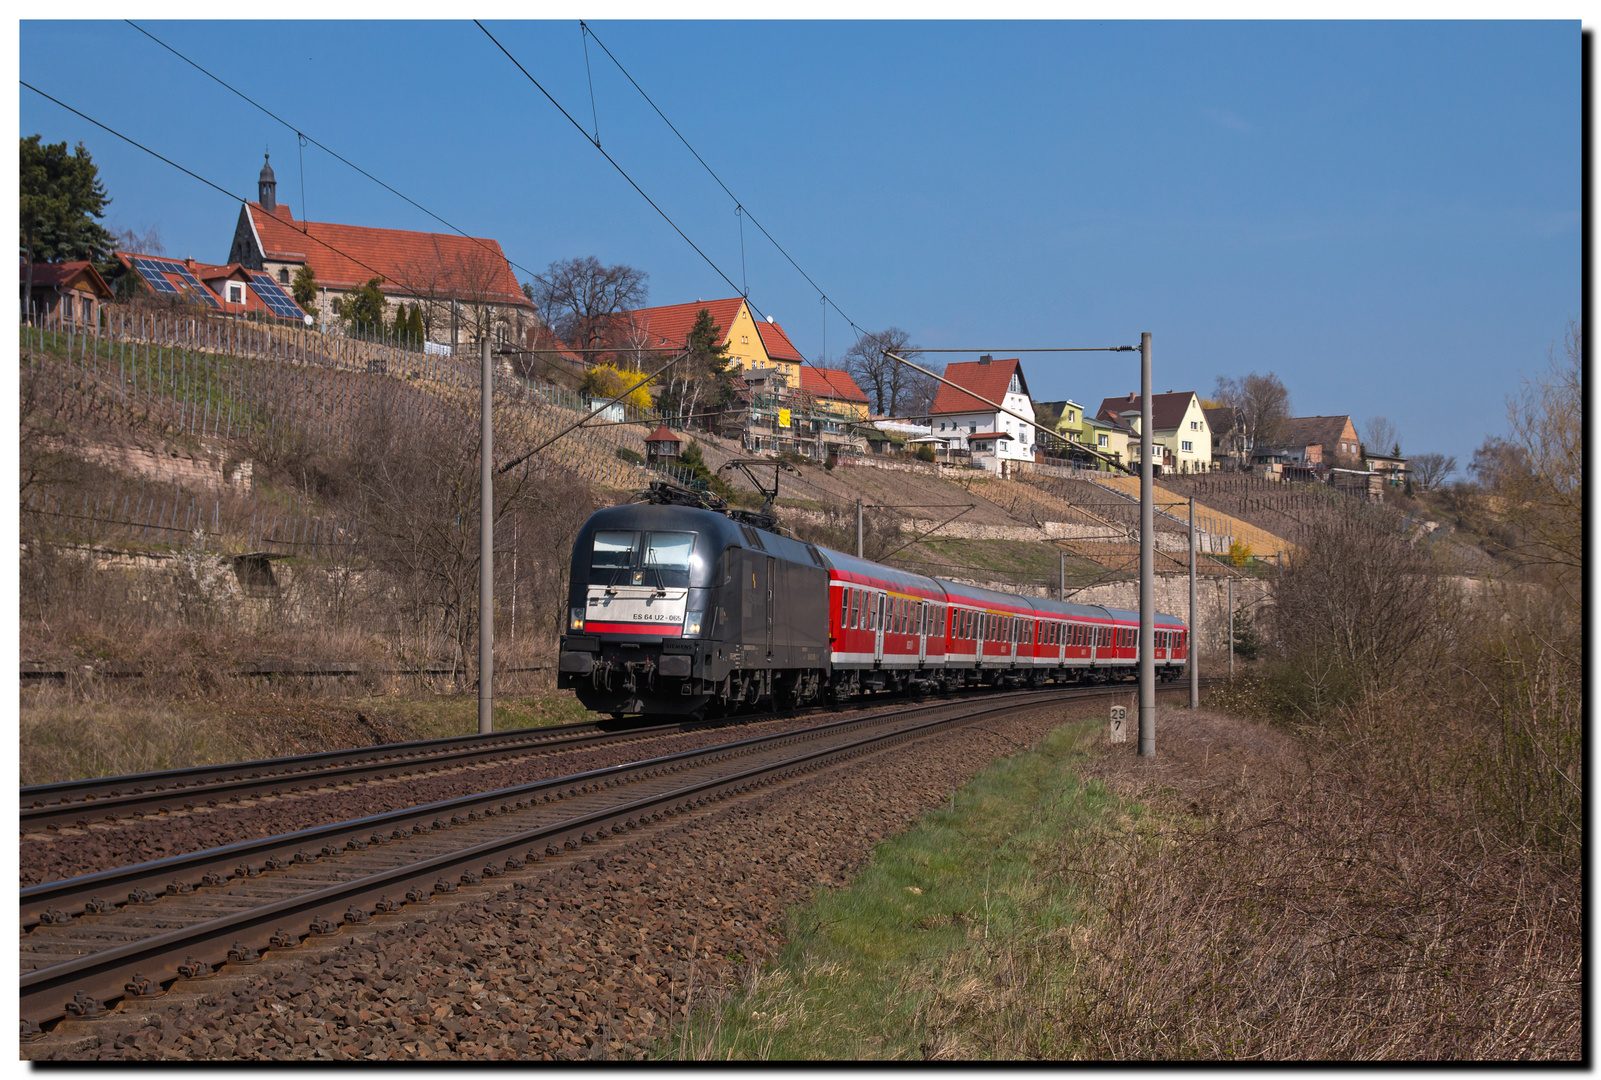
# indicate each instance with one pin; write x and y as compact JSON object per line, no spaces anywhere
{"x":267,"y":185}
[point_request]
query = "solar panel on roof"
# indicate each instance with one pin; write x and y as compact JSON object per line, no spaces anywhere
{"x":156,"y":280}
{"x":154,"y":271}
{"x":193,"y":282}
{"x":278,"y":302}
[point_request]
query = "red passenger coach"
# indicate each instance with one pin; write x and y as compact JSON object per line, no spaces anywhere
{"x":680,"y":609}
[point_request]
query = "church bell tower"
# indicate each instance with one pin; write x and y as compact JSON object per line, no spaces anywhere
{"x":267,"y":185}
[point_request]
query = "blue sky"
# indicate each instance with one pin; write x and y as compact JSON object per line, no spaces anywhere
{"x":1385,"y":214}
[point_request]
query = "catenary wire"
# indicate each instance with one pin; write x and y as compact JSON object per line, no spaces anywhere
{"x":634,"y":184}
{"x":190,"y":172}
{"x":594,"y":140}
{"x":332,"y":153}
{"x":714,"y":176}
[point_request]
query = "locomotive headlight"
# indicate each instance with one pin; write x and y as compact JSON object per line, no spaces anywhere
{"x":575,"y":618}
{"x":692,"y":621}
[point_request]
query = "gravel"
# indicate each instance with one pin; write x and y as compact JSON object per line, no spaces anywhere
{"x":588,"y":956}
{"x":74,"y":852}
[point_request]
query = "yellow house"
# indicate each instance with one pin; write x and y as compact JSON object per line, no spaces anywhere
{"x":666,"y":328}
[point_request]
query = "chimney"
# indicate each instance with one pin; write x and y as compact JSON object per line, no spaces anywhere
{"x":985,"y":359}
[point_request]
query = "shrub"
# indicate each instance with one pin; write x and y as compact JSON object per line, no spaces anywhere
{"x":605,"y":381}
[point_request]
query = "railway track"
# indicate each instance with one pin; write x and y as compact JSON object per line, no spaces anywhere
{"x":50,"y":807}
{"x":88,"y":940}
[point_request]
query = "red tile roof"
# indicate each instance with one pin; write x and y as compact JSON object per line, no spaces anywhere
{"x":987,"y":380}
{"x":777,"y":343}
{"x":831,"y":383}
{"x":663,"y":433}
{"x":50,"y":275}
{"x":669,"y":326}
{"x":1167,"y":410}
{"x":991,"y":435}
{"x":412,"y":263}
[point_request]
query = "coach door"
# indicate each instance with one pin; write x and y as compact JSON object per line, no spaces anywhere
{"x":923,"y":614}
{"x":771,"y":570}
{"x":879,"y":601}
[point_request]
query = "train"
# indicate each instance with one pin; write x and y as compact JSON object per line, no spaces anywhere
{"x":681,"y":610}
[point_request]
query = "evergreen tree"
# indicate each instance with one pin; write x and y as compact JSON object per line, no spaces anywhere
{"x":1246,"y":640}
{"x":402,"y":325}
{"x":304,"y":287}
{"x":59,"y":198}
{"x":694,"y":459}
{"x":415,"y":327}
{"x":363,"y":308}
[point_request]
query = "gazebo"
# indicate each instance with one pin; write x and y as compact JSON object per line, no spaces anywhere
{"x":662,"y":445}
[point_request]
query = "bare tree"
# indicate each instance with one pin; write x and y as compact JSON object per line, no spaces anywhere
{"x":894,"y":388}
{"x":578,"y":297}
{"x":414,"y":489}
{"x":143,"y":243}
{"x":1381,"y":436}
{"x":1360,"y":607}
{"x":1261,"y":407}
{"x":1538,"y":471}
{"x":1431,"y":470}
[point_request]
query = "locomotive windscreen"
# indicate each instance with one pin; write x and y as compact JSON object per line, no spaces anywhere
{"x":615,"y":559}
{"x":667,"y":558}
{"x":612,"y":559}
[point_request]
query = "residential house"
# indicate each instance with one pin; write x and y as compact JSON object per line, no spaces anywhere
{"x":463,"y":285}
{"x":1358,"y":483}
{"x":836,"y":407}
{"x":1296,"y":464}
{"x":69,"y":291}
{"x":1110,"y":438}
{"x":1395,"y":469}
{"x":765,"y":414}
{"x":1177,"y":422}
{"x":1335,"y":434}
{"x":1069,"y":415}
{"x":236,"y":289}
{"x":967,"y":414}
{"x":658,"y":329}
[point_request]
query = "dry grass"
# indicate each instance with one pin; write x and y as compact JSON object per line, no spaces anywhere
{"x":90,"y":729}
{"x":1286,"y":900}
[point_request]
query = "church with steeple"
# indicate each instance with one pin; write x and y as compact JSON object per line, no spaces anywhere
{"x":463,"y":285}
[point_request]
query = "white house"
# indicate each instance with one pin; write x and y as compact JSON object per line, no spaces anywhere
{"x":1003,"y":437}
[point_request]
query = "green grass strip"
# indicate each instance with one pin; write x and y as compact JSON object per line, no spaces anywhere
{"x":938,"y":904}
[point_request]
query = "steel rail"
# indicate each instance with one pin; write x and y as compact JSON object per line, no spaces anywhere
{"x":142,"y":966}
{"x":80,"y":801}
{"x":120,"y":886}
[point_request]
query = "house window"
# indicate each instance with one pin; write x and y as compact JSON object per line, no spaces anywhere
{"x":1195,"y":425}
{"x":972,"y":428}
{"x":744,"y":339}
{"x":1186,"y":446}
{"x":283,"y":275}
{"x":236,"y":293}
{"x":1100,"y":440}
